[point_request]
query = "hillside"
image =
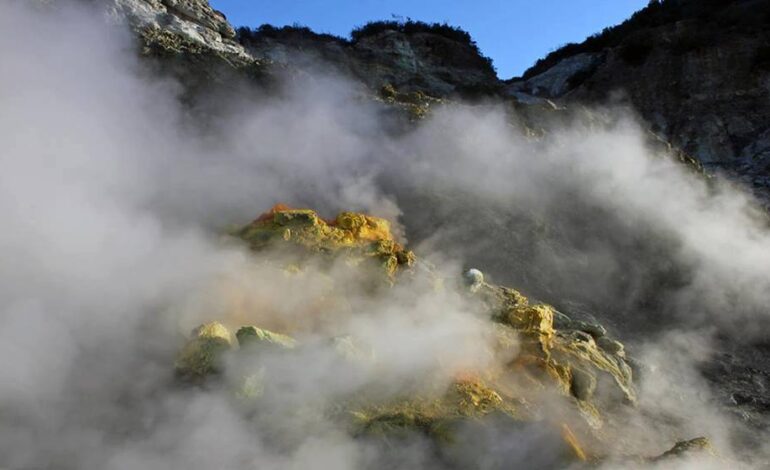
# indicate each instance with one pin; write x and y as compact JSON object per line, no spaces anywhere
{"x":655,"y":62}
{"x":434,"y":59}
{"x":696,"y":71}
{"x":268,"y":248}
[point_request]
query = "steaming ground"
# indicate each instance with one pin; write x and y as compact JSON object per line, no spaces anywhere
{"x":112,"y":196}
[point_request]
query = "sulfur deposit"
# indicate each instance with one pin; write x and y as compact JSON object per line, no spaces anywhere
{"x":544,"y":360}
{"x":358,"y":237}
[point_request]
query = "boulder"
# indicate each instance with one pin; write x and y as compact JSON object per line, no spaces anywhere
{"x":249,"y":336}
{"x":201,"y":356}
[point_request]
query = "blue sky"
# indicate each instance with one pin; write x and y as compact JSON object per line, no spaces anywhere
{"x":514,"y":33}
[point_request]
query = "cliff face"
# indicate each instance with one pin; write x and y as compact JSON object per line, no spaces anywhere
{"x":197,"y":45}
{"x":697,"y":72}
{"x":436,"y":60}
{"x":193,"y":21}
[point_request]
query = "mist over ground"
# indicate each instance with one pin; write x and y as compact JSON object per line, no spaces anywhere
{"x":114,"y":201}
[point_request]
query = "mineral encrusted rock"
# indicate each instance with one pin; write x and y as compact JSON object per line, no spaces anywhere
{"x":202,"y":354}
{"x":358,"y":237}
{"x":574,"y":360}
{"x":253,"y":336}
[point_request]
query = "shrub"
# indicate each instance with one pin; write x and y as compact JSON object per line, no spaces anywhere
{"x":247,"y":35}
{"x":409,"y":27}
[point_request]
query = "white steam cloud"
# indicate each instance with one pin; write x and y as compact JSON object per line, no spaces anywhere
{"x":111,"y":197}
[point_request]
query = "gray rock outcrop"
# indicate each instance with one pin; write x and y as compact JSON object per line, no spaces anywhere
{"x":697,"y":72}
{"x":193,"y":21}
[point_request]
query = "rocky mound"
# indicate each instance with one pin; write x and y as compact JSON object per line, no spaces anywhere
{"x":360,"y":237}
{"x":543,"y":358}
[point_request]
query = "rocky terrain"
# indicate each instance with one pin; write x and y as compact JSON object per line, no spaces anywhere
{"x":539,"y":353}
{"x":696,"y":71}
{"x":656,"y":62}
{"x":439,"y":61}
{"x":542,"y":280}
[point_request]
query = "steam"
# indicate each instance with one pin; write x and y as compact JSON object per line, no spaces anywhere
{"x":113,"y":197}
{"x":617,"y":212}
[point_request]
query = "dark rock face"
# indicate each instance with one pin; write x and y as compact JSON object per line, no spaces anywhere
{"x":424,"y":60}
{"x":698,"y":72}
{"x":707,"y":94}
{"x":199,"y":46}
{"x":741,"y":374}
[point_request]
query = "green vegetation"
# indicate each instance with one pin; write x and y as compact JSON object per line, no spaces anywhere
{"x":246,"y":35}
{"x":250,"y":36}
{"x":411,"y":27}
